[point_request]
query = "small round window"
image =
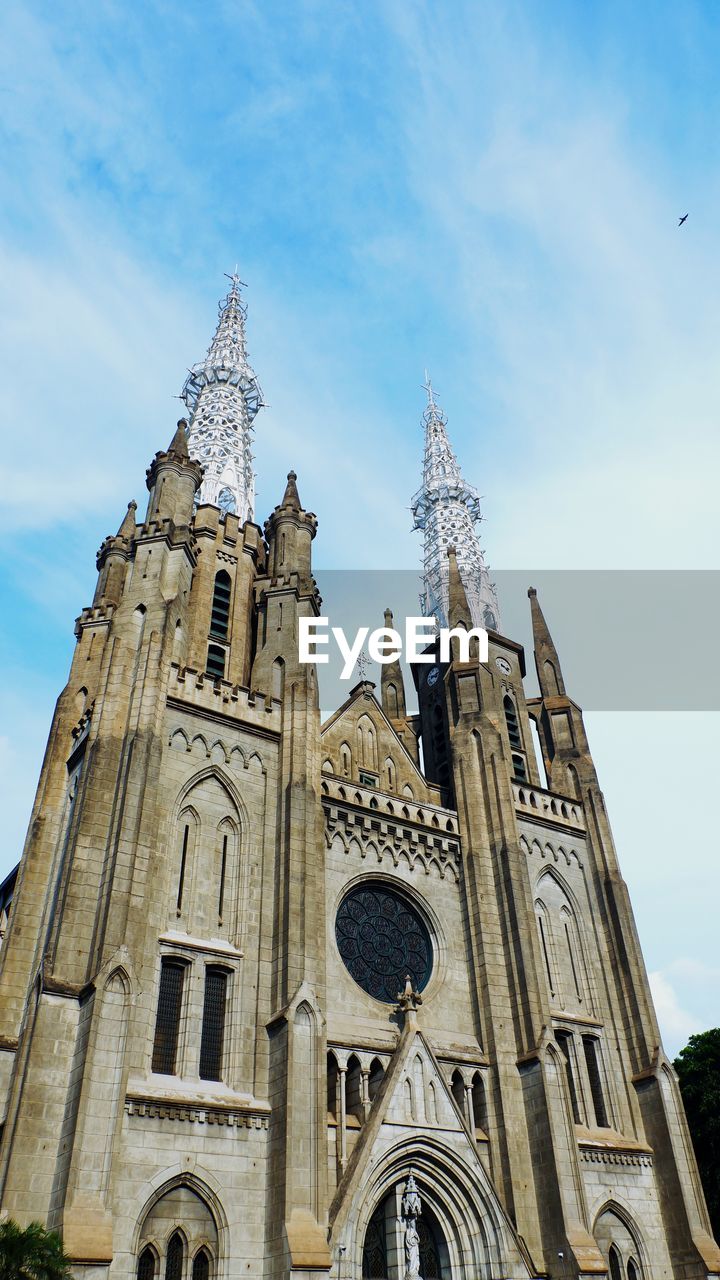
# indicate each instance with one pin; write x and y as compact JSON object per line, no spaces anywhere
{"x":382,"y":938}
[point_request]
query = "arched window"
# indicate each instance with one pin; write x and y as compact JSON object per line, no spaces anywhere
{"x":375,"y":1078}
{"x":213,"y":1024}
{"x":479,"y":1103}
{"x":632,"y":1270}
{"x":615,"y":1268}
{"x":592,"y":1059}
{"x":457,"y":1088}
{"x":519,"y":770}
{"x":353,"y":1089}
{"x":174,"y":1259}
{"x":146,"y":1265}
{"x":179,"y":1226}
{"x":564,"y":1040}
{"x":201,"y":1265}
{"x":220,"y":617}
{"x":167,"y":1025}
{"x":545,"y":947}
{"x":332,"y":1087}
{"x":215,"y":665}
{"x":511,"y":721}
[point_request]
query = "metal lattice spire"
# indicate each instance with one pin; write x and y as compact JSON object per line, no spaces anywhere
{"x":223,"y":396}
{"x":447,"y":509}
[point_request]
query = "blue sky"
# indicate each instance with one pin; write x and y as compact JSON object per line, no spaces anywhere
{"x":491,"y":190}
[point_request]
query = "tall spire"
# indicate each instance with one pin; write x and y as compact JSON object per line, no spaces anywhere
{"x":222,"y":396}
{"x":447,"y":510}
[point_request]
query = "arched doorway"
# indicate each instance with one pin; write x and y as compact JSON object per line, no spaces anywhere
{"x":383,"y":1248}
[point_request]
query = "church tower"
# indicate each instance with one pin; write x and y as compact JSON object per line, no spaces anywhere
{"x":359,"y":999}
{"x":446,"y":508}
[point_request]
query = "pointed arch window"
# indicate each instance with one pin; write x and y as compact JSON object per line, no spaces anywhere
{"x":175,"y":1258}
{"x":146,"y":1265}
{"x":615,"y":1268}
{"x":511,"y":721}
{"x":213,"y":1024}
{"x":201,"y":1265}
{"x":167,"y":1025}
{"x":220,"y":616}
{"x":564,"y":1040}
{"x":592,"y":1060}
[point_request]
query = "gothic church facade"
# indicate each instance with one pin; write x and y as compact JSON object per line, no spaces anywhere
{"x":362,"y":998}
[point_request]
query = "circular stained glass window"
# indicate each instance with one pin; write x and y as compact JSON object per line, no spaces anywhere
{"x":381,"y":938}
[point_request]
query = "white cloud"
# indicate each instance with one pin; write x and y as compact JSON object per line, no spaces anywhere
{"x":676,"y":1024}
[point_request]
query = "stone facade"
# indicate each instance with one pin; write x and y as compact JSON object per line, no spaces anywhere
{"x":198,"y":1078}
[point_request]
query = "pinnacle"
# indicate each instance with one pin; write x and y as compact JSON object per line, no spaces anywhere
{"x":458,"y":607}
{"x":127,"y":528}
{"x":178,"y":444}
{"x":291,"y":497}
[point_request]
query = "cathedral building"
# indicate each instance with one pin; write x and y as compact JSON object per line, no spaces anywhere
{"x":359,"y":999}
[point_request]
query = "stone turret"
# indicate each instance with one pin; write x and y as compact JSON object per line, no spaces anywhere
{"x":173,"y":480}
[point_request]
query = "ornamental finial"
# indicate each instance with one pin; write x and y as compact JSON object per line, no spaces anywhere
{"x":409,"y":1001}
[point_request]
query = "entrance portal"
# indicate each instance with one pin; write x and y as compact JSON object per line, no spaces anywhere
{"x":384,"y":1254}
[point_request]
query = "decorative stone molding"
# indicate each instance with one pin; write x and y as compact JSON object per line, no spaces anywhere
{"x":604,"y":1155}
{"x":547,"y":851}
{"x":229,"y":1117}
{"x":213,"y":748}
{"x":379,"y":840}
{"x":399,"y":809}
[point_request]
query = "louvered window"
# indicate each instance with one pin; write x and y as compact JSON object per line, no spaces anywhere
{"x":174,"y":1260}
{"x":511,"y":721}
{"x":201,"y":1266}
{"x":146,"y":1265}
{"x":220,"y":617}
{"x":215,"y":665}
{"x":213,"y":1024}
{"x":167,"y":1026}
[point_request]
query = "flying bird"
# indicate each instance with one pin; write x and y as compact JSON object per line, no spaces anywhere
{"x":683,"y":219}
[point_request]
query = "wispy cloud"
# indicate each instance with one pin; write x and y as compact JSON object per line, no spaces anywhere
{"x":477,"y":189}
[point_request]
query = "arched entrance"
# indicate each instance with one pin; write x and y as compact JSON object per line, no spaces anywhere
{"x":384,"y":1248}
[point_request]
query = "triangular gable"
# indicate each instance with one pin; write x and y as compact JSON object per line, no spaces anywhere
{"x":363,"y":693}
{"x":414,"y":1107}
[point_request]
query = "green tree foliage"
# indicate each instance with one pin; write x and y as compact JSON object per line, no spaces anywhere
{"x":31,"y":1253}
{"x":698,"y":1068}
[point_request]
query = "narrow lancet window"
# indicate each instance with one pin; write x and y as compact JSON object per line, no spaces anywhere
{"x":146,"y":1265}
{"x":174,"y":1260}
{"x":592,"y":1060}
{"x":183,"y":866}
{"x":201,"y":1266}
{"x":223,"y":870}
{"x":511,"y":721}
{"x":167,"y":1026}
{"x":220,"y":617}
{"x":563,"y":1038}
{"x":213,"y":1024}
